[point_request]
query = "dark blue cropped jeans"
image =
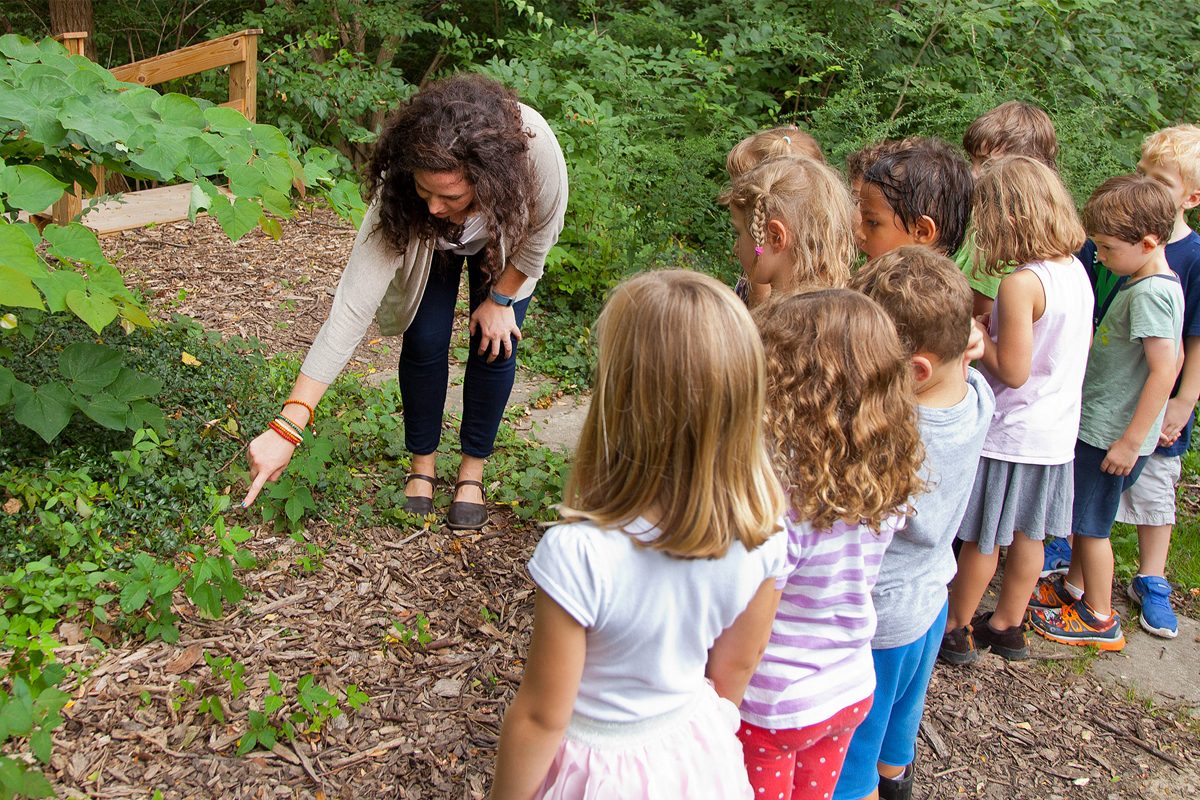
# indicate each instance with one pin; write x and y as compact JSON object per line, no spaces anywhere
{"x":425,"y":365}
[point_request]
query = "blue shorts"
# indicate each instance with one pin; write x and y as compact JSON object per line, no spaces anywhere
{"x":889,"y":733}
{"x":1098,"y":494}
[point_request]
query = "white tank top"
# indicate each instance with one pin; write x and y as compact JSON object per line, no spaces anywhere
{"x":1039,"y":422}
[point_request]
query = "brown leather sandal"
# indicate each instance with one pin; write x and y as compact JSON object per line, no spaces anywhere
{"x":419,"y":505}
{"x":467,"y":516}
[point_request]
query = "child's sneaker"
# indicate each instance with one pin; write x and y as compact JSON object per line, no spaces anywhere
{"x":1077,"y":624}
{"x":1051,"y":592}
{"x":958,"y":647}
{"x":1009,"y":643}
{"x":1153,"y":594}
{"x":1058,"y":555}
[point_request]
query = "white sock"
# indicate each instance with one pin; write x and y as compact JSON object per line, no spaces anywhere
{"x":1073,"y":590}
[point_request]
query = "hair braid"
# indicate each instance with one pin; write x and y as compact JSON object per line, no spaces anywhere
{"x":758,"y":225}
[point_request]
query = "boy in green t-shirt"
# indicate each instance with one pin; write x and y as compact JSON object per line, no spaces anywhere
{"x":1135,"y":356}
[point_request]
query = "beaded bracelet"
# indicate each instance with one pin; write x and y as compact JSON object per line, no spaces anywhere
{"x":284,"y":432}
{"x":312,"y":414}
{"x":299,"y":431}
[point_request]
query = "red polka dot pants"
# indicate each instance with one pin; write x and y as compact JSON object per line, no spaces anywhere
{"x":800,"y":763}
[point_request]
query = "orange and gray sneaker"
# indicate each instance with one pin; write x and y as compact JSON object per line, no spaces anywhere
{"x":1051,"y":592}
{"x":1077,"y":624}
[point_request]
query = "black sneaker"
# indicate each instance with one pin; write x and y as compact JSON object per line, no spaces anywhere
{"x":958,"y":647}
{"x":1009,"y":644}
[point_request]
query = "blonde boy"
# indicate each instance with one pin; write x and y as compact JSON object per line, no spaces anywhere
{"x":1171,"y":157}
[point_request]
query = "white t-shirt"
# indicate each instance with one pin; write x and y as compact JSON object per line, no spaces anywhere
{"x":650,"y":617}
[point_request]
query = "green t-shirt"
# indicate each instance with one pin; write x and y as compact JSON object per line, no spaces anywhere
{"x":1151,"y":308}
{"x":986,"y":285}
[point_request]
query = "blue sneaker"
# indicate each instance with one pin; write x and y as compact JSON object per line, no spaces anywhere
{"x":1153,"y":594}
{"x":1058,"y":555}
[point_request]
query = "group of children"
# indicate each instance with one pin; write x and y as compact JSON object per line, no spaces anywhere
{"x":749,"y":591}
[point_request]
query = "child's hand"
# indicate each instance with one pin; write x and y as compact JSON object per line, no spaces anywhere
{"x":1120,"y":458}
{"x":1177,"y":414}
{"x":975,"y":346}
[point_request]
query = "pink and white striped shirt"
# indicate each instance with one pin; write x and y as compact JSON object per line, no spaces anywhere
{"x":818,"y":660}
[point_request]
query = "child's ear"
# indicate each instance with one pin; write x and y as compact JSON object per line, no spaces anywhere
{"x":1192,"y":199}
{"x":922,"y":368}
{"x":925,"y":231}
{"x":778,"y":236}
{"x":1149,"y":243}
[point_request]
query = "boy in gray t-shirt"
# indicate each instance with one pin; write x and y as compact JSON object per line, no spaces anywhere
{"x":930,"y":300}
{"x":1136,"y":354}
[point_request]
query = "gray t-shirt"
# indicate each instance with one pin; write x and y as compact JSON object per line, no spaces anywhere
{"x":1151,"y":308}
{"x":919,"y":562}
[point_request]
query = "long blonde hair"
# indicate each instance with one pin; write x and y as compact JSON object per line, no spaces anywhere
{"x":841,"y":413}
{"x":1022,"y":213}
{"x":675,"y":429}
{"x":813,"y":203}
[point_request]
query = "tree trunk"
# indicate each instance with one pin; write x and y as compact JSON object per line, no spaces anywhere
{"x":74,"y":16}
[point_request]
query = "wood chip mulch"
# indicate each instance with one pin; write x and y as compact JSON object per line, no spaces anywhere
{"x":1029,"y":731}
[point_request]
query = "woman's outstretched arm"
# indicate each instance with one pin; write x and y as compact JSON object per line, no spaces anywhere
{"x":270,"y":453}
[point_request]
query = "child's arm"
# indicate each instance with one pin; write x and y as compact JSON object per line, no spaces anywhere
{"x":1179,"y":407}
{"x":1162,"y":358}
{"x":1021,"y":300}
{"x":534,"y":724}
{"x":735,"y":654}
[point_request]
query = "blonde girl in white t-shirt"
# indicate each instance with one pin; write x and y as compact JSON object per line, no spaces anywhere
{"x":656,"y":595}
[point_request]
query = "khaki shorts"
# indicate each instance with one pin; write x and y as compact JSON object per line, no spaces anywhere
{"x":1151,"y":501}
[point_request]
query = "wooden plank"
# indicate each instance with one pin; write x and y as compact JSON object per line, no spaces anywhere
{"x":199,"y":57}
{"x":139,"y":209}
{"x":238,"y":105}
{"x":243,"y":78}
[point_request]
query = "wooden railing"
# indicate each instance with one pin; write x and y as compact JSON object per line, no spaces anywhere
{"x":238,"y":51}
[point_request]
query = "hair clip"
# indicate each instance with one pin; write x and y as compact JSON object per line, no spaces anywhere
{"x":758,"y":249}
{"x":787,"y":139}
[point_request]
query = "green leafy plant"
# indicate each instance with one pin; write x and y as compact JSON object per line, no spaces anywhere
{"x":417,"y":632}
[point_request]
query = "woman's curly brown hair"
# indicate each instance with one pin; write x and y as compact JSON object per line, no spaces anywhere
{"x":841,"y":412}
{"x":468,"y":123}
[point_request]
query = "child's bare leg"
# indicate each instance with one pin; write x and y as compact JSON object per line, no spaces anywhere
{"x":1095,"y":558}
{"x":1022,"y":566}
{"x":1075,"y":575}
{"x":975,"y":571}
{"x":1154,"y":541}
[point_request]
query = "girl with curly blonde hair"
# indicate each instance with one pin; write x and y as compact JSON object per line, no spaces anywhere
{"x":842,"y":425}
{"x":794,"y":219}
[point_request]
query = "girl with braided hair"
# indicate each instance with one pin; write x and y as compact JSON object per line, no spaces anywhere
{"x":794,"y":220}
{"x":462,"y":173}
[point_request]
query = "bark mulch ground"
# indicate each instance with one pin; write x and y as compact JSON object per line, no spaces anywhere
{"x":1036,"y":730}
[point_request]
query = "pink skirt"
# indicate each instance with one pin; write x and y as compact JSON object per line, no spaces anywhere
{"x":691,"y":754}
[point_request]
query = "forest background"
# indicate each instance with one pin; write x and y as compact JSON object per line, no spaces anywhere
{"x":108,"y":520}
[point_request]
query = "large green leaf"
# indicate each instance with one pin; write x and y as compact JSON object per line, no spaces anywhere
{"x":133,"y":385}
{"x":105,"y":410}
{"x":164,"y":158}
{"x":94,"y":309}
{"x":74,"y":242}
{"x":19,"y":48}
{"x":144,"y":414}
{"x":223,"y":120}
{"x":7,"y":382}
{"x":45,"y":409}
{"x":237,"y":218}
{"x":17,"y":290}
{"x":17,"y":252}
{"x":179,"y":109}
{"x":204,"y":158}
{"x":90,"y":367}
{"x":102,"y":119}
{"x":57,"y":285}
{"x":29,"y":188}
{"x":247,"y":180}
{"x":268,"y":139}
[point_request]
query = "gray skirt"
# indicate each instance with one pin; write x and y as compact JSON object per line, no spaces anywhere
{"x":1007,"y":497}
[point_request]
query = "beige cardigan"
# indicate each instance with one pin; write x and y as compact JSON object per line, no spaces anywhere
{"x":379,"y":283}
